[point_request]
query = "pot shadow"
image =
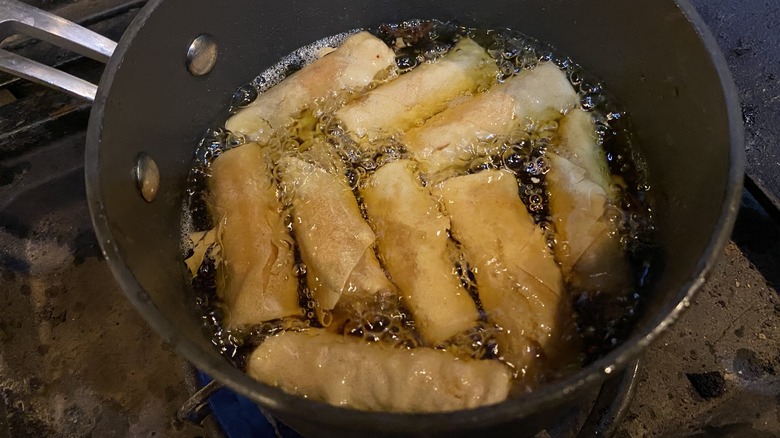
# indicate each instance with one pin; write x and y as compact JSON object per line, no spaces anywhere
{"x":757,"y":234}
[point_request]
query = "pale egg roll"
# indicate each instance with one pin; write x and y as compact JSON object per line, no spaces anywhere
{"x":412,"y":240}
{"x":519,"y":284}
{"x":451,"y":138}
{"x":415,"y":96}
{"x":336,"y":244}
{"x":580,"y":193}
{"x":359,"y":60}
{"x":347,"y":371}
{"x":255,"y":280}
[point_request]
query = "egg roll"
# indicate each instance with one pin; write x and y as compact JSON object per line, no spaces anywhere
{"x":412,"y":240}
{"x":255,"y":278}
{"x":413,"y":97}
{"x":451,"y":138}
{"x":336,"y":244}
{"x":347,"y":371}
{"x":519,"y":284}
{"x":321,"y":153}
{"x":580,"y":193}
{"x":354,"y":65}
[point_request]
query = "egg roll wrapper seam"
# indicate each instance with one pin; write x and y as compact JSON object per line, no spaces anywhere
{"x":415,"y":96}
{"x":350,"y":372}
{"x":412,"y":241}
{"x":455,"y":134}
{"x":579,"y":188}
{"x":577,"y":206}
{"x":520,"y":285}
{"x":578,"y":144}
{"x":255,"y":280}
{"x":451,"y":138}
{"x":335,"y":241}
{"x":359,"y":60}
{"x":201,"y":243}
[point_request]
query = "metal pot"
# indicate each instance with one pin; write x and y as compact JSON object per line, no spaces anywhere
{"x":655,"y":55}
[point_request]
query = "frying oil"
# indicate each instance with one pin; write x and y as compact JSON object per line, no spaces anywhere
{"x":604,"y":318}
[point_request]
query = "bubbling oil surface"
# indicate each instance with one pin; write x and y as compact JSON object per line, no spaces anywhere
{"x":603,"y":318}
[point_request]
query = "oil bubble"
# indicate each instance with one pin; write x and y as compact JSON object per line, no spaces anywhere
{"x":244,"y":96}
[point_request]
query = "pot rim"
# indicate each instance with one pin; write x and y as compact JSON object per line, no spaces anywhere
{"x":550,"y":394}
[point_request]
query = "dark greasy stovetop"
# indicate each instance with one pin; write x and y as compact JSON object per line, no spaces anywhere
{"x":77,"y":360}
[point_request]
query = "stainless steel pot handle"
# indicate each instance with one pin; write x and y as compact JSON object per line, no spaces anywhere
{"x":20,"y":18}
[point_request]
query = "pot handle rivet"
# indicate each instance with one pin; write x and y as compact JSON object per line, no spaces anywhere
{"x":202,"y":55}
{"x":147,"y":176}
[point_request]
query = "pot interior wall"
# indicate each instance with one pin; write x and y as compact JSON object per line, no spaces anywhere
{"x":645,"y":51}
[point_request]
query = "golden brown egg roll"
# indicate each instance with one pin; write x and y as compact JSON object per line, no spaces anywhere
{"x":412,"y":237}
{"x":255,"y":280}
{"x":519,"y":283}
{"x":451,"y":137}
{"x":351,"y":67}
{"x":347,"y":371}
{"x":580,"y":192}
{"x":413,"y":97}
{"x":334,"y":240}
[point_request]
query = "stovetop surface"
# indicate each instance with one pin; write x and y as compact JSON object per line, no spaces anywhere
{"x":77,"y":360}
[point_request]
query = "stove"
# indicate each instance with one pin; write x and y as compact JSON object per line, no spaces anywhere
{"x":75,"y":356}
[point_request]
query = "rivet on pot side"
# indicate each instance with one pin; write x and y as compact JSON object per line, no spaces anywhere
{"x":202,"y":55}
{"x":147,"y":176}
